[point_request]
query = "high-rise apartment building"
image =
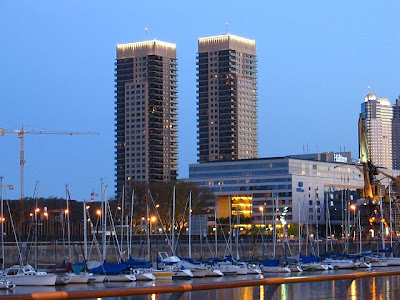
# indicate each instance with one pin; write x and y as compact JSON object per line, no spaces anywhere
{"x":396,"y":135}
{"x":146,"y":112}
{"x":377,"y":114}
{"x":227,"y":98}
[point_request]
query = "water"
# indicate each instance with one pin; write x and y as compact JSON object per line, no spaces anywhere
{"x":379,"y":288}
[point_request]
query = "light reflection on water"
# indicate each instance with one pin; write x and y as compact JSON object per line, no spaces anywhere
{"x":367,"y":288}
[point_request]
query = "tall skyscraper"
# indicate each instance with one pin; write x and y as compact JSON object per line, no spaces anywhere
{"x":377,"y":114}
{"x":396,"y":135}
{"x":146,"y":112}
{"x":227,"y":98}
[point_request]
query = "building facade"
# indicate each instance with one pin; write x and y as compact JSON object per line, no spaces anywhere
{"x":146,"y":112}
{"x":396,"y":135}
{"x":378,"y":115}
{"x":227,"y":98}
{"x":290,"y":189}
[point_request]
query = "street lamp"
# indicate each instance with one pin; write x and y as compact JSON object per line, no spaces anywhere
{"x":353,"y":207}
{"x":153,"y":219}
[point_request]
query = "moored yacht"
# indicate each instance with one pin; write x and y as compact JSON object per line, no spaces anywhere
{"x":26,"y":275}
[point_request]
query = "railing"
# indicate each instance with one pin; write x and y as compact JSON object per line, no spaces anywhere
{"x":178,"y":290}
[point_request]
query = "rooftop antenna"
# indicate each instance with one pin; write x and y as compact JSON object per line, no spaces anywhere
{"x":227,"y":27}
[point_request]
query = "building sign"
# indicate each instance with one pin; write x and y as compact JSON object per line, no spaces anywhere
{"x":337,"y":157}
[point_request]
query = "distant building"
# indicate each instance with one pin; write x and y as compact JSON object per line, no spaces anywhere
{"x":396,"y":135}
{"x":288,"y":189}
{"x":227,"y":98}
{"x":338,"y":157}
{"x":146,"y":112}
{"x":378,"y":115}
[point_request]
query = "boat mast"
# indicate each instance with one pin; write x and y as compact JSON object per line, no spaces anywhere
{"x":274,"y":207}
{"x":104,"y":219}
{"x":173,"y":223}
{"x":382,"y":227}
{"x":130,"y":224}
{"x":122,"y":217}
{"x":230,"y":225}
{"x":216,"y":229}
{"x":148,"y":226}
{"x":237,"y":232}
{"x":299,"y":229}
{"x":85,"y":246}
{"x":67,"y":212}
{"x":390,"y":216}
{"x":360,"y":229}
{"x":36,"y":224}
{"x":190,"y":224}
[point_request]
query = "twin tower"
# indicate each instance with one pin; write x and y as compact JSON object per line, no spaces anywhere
{"x":146,"y":106}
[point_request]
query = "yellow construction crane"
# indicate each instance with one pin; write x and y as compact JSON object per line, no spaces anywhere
{"x":21,"y":133}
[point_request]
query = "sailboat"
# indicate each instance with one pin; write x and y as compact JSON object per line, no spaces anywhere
{"x":274,"y":265}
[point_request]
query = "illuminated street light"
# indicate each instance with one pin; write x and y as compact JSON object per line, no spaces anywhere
{"x":98,"y":212}
{"x":87,"y":206}
{"x":353,"y":207}
{"x":66,"y":211}
{"x":37,"y":209}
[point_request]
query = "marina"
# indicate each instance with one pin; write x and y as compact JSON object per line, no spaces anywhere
{"x":364,"y":288}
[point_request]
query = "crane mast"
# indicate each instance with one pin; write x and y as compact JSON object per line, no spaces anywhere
{"x":21,"y":133}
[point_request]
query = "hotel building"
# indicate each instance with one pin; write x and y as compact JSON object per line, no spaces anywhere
{"x":294,"y":189}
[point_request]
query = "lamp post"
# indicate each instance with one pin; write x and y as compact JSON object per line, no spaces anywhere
{"x":11,"y":187}
{"x":353,"y":207}
{"x":37,"y":211}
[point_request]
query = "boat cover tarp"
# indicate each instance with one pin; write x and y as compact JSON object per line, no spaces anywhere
{"x":78,"y":267}
{"x":270,"y":262}
{"x":109,"y":269}
{"x":309,"y":259}
{"x":390,"y":250}
{"x":136,"y":263}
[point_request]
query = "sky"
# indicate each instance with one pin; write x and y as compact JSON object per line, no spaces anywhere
{"x":316,"y":60}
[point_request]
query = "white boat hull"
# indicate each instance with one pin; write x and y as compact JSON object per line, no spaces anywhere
{"x":145,"y":277}
{"x":98,"y":278}
{"x":6,"y":285}
{"x":295,"y":268}
{"x":62,"y":279}
{"x":120,"y":278}
{"x":242,"y":271}
{"x":393,"y":261}
{"x":341,"y":264}
{"x":314,"y":267}
{"x":266,"y":269}
{"x":214,"y":273}
{"x":182,"y":274}
{"x":253,"y":271}
{"x":199,"y":273}
{"x":40,"y":280}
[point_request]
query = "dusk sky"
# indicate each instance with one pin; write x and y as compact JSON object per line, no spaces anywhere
{"x":316,"y":60}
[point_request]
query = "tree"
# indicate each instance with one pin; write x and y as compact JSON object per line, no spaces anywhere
{"x":159,"y":197}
